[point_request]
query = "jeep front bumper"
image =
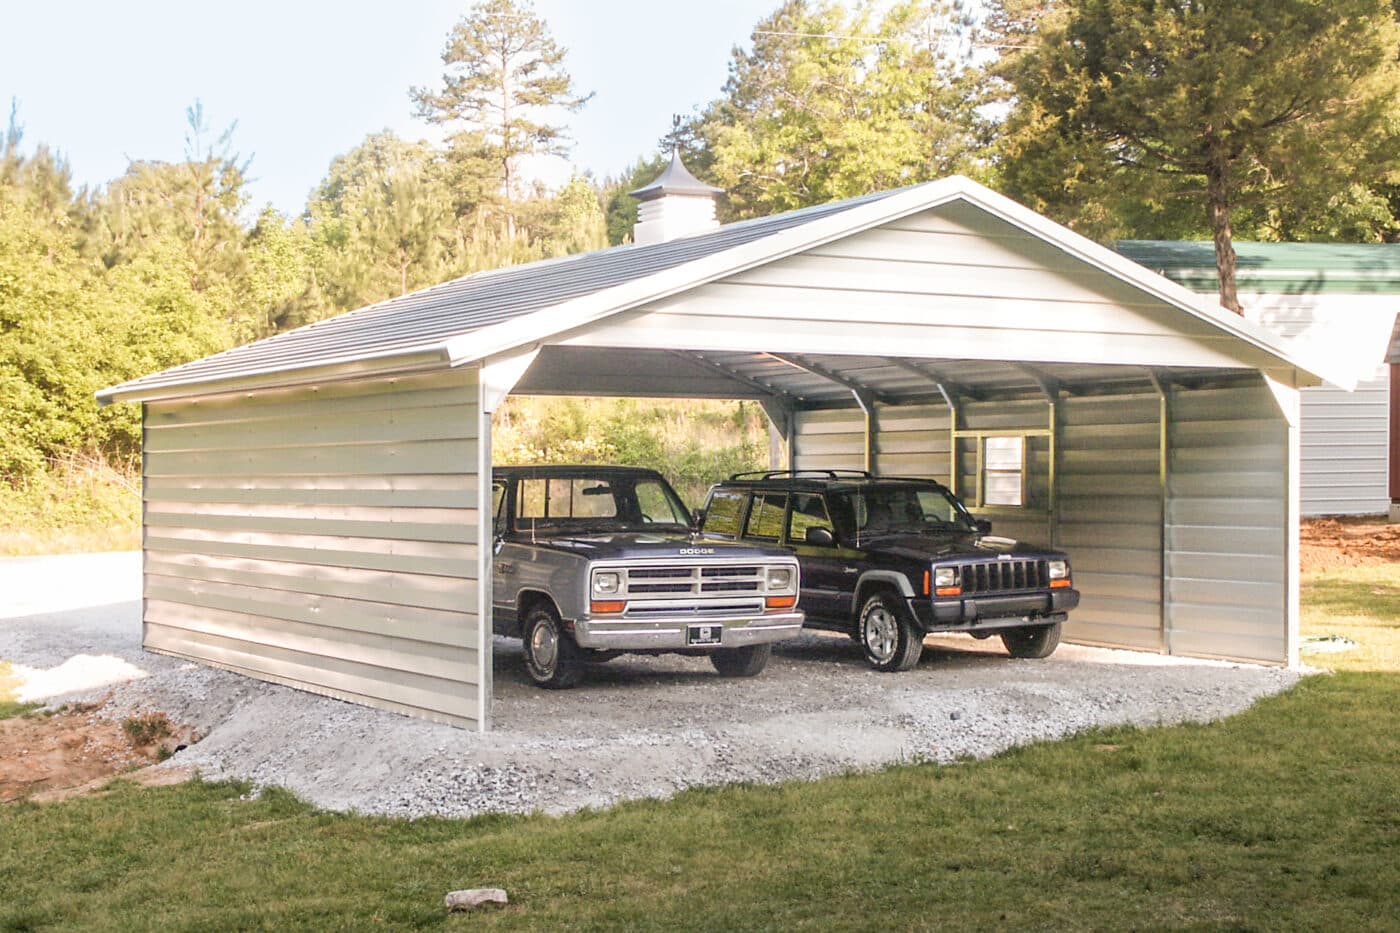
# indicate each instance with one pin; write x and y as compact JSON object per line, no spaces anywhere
{"x":966,"y":613}
{"x":669,"y":634}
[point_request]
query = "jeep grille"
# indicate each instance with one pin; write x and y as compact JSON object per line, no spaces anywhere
{"x":1003,"y":576}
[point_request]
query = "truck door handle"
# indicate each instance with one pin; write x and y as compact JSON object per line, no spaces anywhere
{"x":505,"y":566}
{"x":850,"y":569}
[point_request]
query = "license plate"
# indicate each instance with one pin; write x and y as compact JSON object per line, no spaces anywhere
{"x":703,"y":634}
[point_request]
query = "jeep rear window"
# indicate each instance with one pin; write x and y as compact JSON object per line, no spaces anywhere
{"x":766,"y":515}
{"x":722,"y":513}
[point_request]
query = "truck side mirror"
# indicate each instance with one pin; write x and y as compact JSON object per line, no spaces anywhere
{"x":697,"y":518}
{"x":822,"y":537}
{"x":982,"y":525}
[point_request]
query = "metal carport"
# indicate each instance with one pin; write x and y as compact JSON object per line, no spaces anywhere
{"x":311,"y":500}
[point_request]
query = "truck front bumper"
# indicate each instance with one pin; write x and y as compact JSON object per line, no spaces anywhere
{"x":620,"y":634}
{"x":967,"y":613}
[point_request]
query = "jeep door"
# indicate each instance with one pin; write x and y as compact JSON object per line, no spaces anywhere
{"x":826,"y":584}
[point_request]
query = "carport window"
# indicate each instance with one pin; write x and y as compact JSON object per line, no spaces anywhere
{"x":1004,"y":471}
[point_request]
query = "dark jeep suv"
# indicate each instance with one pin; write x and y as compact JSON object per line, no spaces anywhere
{"x":889,"y":560}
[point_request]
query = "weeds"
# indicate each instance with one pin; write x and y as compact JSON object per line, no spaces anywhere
{"x":149,"y":729}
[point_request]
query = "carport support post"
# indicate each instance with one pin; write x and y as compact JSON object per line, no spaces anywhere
{"x":952,"y":401}
{"x":866,"y":401}
{"x":781,"y":423}
{"x":1289,"y":402}
{"x":494,"y":383}
{"x":1162,"y":383}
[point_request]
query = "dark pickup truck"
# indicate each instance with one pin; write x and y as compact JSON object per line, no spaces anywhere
{"x":889,"y":560}
{"x":594,"y":561}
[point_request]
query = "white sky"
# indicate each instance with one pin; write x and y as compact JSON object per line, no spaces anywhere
{"x":107,"y":81}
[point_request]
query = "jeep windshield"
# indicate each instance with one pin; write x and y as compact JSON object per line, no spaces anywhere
{"x":900,"y":509}
{"x":599,"y":503}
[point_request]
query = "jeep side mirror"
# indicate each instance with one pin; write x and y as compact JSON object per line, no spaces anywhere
{"x":982,"y":525}
{"x":822,"y":537}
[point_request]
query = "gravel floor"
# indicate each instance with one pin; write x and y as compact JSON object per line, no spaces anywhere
{"x":639,"y":727}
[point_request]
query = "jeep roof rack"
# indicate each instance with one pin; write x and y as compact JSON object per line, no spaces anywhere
{"x":797,"y":474}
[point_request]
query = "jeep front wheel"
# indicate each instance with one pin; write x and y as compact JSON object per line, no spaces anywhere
{"x":887,"y":635}
{"x":1036,"y":641}
{"x":551,"y":655}
{"x":748,"y":661}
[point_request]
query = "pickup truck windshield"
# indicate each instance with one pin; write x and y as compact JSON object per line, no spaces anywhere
{"x":899,"y":509}
{"x":605,"y":502}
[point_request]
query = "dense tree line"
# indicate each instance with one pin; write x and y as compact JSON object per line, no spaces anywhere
{"x":1271,"y":119}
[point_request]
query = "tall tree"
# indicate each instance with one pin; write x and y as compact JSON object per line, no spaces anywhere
{"x":384,"y":221}
{"x":1147,"y":106}
{"x":832,"y":102}
{"x":504,"y":79}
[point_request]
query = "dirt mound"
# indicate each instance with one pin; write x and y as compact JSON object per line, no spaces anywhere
{"x":1348,"y":542}
{"x":52,"y":755}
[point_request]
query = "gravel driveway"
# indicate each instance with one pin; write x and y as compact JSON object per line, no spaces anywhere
{"x":638,"y":727}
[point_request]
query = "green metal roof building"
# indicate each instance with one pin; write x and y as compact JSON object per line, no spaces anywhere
{"x":1307,"y":292}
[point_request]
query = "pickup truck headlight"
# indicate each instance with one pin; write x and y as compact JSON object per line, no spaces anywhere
{"x":945,"y":577}
{"x":1059,"y":569}
{"x":606,"y":583}
{"x":779,"y":578}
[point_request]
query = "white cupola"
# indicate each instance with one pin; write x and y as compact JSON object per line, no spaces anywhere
{"x":676,"y":204}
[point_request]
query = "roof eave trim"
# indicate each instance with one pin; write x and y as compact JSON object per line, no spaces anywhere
{"x":399,"y":362}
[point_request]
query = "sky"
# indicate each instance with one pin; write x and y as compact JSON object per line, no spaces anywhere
{"x":106,"y":82}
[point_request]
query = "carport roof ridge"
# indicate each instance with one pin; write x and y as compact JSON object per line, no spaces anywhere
{"x":495,"y":313}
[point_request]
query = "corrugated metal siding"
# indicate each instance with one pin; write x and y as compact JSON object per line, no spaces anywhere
{"x":1110,"y":519}
{"x":325,"y":538}
{"x":1226,"y":514}
{"x":912,"y":440}
{"x":1346,"y":449}
{"x":830,"y":440}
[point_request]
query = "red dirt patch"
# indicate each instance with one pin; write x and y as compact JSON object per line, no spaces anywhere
{"x":1348,"y":542}
{"x":49,"y":756}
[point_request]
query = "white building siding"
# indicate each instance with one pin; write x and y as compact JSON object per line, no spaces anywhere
{"x":1345,"y":435}
{"x":322,"y":537}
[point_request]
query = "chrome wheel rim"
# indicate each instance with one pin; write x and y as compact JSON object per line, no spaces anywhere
{"x":881,"y":633}
{"x":544,"y":648}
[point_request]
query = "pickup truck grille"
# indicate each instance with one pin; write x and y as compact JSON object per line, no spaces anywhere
{"x":680,"y":580}
{"x":1003,"y":576}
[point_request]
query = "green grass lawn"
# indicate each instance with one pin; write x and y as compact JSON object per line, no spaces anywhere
{"x":1285,"y":817}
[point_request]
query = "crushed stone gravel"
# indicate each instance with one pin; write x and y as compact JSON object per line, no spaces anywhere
{"x":638,"y":727}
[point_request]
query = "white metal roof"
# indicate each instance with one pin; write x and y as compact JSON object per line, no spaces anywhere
{"x":477,"y":317}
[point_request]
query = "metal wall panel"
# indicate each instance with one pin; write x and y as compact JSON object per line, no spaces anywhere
{"x":322,"y":537}
{"x":1110,"y":518}
{"x":1227,"y":573}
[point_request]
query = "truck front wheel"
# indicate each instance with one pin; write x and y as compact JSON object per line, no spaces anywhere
{"x":741,"y":662}
{"x":552,"y":658}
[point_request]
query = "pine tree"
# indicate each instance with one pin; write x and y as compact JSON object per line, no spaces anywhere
{"x":1129,"y":108}
{"x":503,"y":75}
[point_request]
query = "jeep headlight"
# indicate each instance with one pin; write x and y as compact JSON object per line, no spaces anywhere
{"x":779,"y":578}
{"x":606,"y":582}
{"x":1059,"y":569}
{"x":945,"y":577}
